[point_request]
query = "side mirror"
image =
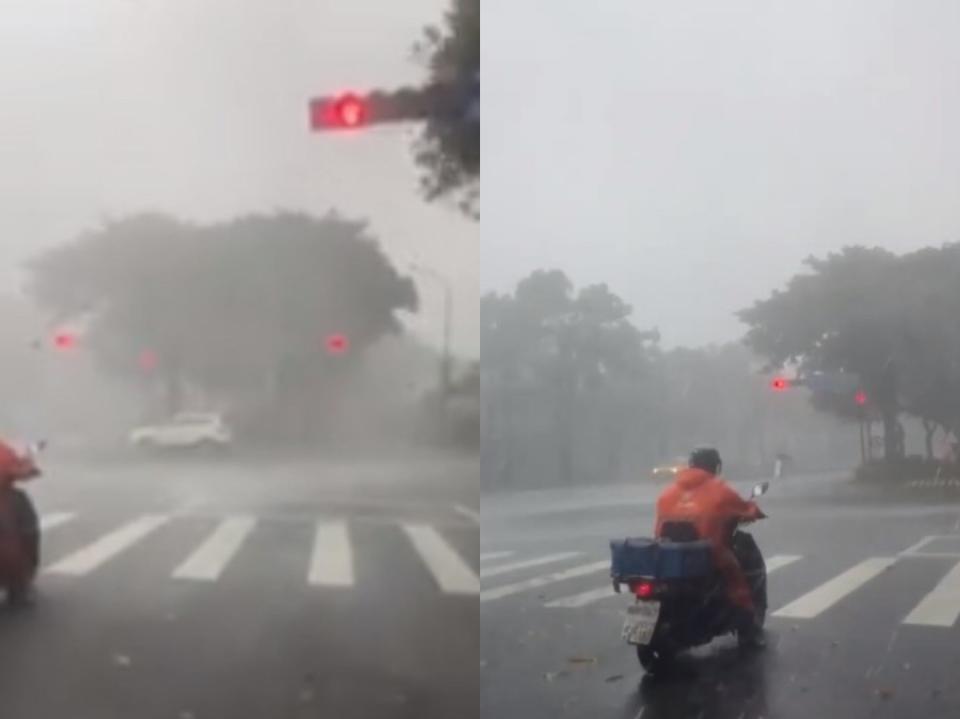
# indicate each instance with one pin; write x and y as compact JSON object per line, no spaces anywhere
{"x":759,"y":490}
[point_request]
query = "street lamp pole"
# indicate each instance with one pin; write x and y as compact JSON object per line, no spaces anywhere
{"x":446,"y":358}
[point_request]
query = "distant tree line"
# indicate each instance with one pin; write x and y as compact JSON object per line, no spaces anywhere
{"x":574,"y":392}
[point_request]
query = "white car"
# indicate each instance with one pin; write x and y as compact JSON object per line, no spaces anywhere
{"x":184,"y":431}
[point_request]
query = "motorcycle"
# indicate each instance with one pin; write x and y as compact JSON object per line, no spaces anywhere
{"x":19,"y":532}
{"x":680,"y":597}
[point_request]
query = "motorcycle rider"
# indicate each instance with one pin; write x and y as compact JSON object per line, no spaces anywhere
{"x":700,"y":497}
{"x":19,"y":550}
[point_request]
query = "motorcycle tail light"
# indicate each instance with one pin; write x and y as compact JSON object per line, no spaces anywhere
{"x":643,"y":590}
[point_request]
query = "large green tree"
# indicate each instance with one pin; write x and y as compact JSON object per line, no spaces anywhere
{"x":889,"y":321}
{"x":449,"y":148}
{"x":236,"y":308}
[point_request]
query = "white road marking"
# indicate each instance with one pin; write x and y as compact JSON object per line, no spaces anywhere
{"x":576,"y":601}
{"x":467,"y":512}
{"x":579,"y":571}
{"x":107,"y":547}
{"x":55,"y":519}
{"x":832,"y":591}
{"x":332,"y":562}
{"x":452,"y":574}
{"x":584,"y":598}
{"x":778,"y":561}
{"x":919,"y":545}
{"x":211,"y":558}
{"x":486,"y":572}
{"x":487,"y":556}
{"x":941,"y":607}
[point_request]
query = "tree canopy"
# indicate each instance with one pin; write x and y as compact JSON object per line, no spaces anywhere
{"x":449,"y":148}
{"x":234,"y":309}
{"x":889,"y":321}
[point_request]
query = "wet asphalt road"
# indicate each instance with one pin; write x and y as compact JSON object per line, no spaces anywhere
{"x":196,"y":590}
{"x":867,"y":601}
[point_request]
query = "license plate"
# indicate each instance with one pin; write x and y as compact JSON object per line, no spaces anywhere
{"x":641,"y":622}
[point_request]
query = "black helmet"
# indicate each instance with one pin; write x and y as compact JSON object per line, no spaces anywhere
{"x":707,"y":459}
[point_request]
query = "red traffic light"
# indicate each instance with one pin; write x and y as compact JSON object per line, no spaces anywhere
{"x":64,"y":340}
{"x":860,"y":397}
{"x":148,"y":360}
{"x":337,"y":344}
{"x":779,"y":384}
{"x":343,"y":112}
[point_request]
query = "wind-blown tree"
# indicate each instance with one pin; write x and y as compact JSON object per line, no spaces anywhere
{"x":891,"y":321}
{"x":567,"y":355}
{"x":228,"y":307}
{"x":449,"y":148}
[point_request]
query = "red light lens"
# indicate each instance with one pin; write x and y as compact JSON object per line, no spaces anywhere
{"x":337,"y":344}
{"x":860,"y":397}
{"x":780,"y":383}
{"x":64,"y":341}
{"x":643,"y":590}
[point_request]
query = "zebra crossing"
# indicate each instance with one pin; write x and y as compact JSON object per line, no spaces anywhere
{"x":332,"y":558}
{"x":506,"y":573}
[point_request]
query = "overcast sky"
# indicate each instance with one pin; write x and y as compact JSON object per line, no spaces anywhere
{"x":199,"y":108}
{"x":691,"y":154}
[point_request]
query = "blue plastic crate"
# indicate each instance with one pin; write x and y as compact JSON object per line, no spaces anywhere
{"x":656,"y":559}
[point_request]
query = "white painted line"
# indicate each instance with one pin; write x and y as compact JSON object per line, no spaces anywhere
{"x":831,"y":592}
{"x":486,"y":572}
{"x":941,"y":607}
{"x":606,"y":592}
{"x":919,"y":545}
{"x":107,"y":547}
{"x":488,"y":556}
{"x":470,"y":514}
{"x":331,"y":564}
{"x":452,"y":574}
{"x":778,"y":561}
{"x":584,"y":598}
{"x":55,"y":519}
{"x":211,"y":558}
{"x":582,"y":570}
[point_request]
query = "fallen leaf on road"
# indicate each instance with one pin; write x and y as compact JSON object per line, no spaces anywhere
{"x":614,"y":678}
{"x":582,"y":660}
{"x":885,"y":693}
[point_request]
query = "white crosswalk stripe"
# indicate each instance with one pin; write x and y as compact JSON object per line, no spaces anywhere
{"x":332,"y":562}
{"x":107,"y":547}
{"x":211,"y":558}
{"x":941,"y":607}
{"x":541,"y":581}
{"x":487,"y":572}
{"x":452,"y":574}
{"x":829,"y":593}
{"x":582,"y":599}
{"x":55,"y":519}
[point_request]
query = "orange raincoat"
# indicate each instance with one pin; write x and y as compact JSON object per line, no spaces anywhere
{"x":710,"y":504}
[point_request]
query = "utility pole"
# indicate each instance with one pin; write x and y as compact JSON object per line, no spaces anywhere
{"x":446,"y":358}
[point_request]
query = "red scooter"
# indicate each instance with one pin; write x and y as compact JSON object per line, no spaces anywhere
{"x":19,"y":526}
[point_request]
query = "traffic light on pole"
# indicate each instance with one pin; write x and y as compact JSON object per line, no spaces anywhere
{"x":779,"y":384}
{"x":351,"y":110}
{"x":344,"y":112}
{"x":337,"y":344}
{"x":64,"y":340}
{"x":148,"y":360}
